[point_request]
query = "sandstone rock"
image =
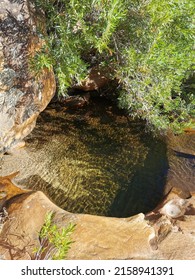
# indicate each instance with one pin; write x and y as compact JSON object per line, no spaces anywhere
{"x":23,"y":95}
{"x":76,"y":102}
{"x":175,"y":208}
{"x":189,"y":130}
{"x":97,"y":79}
{"x":181,"y":154}
{"x":152,"y":236}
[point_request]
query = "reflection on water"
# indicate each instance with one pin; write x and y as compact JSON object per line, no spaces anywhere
{"x":93,"y":160}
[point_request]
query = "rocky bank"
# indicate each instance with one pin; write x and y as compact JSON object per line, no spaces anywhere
{"x":152,"y":236}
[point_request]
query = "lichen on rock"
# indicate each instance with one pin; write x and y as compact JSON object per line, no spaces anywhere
{"x":23,"y":95}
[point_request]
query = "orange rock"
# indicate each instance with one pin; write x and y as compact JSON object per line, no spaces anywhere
{"x":95,"y":237}
{"x":96,"y":79}
{"x":8,"y":189}
{"x":189,"y":130}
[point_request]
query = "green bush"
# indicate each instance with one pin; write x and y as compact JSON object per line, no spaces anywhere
{"x":54,"y":243}
{"x":148,"y":44}
{"x":158,"y":61}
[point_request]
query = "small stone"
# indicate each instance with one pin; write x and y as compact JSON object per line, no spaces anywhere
{"x":175,"y":208}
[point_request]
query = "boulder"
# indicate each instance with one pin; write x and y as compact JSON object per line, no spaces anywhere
{"x":151,"y":236}
{"x":98,"y":78}
{"x":23,"y":94}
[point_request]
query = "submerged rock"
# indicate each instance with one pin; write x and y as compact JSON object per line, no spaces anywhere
{"x":152,"y":236}
{"x":76,"y":102}
{"x":23,"y":95}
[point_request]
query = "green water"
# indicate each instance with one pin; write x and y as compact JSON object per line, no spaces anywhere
{"x":96,"y":161}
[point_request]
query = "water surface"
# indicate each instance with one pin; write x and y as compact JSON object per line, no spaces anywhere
{"x":94,"y":160}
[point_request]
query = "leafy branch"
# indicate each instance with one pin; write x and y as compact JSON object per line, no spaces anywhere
{"x":54,"y":243}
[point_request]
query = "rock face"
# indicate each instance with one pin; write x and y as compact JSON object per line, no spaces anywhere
{"x":23,"y":95}
{"x":151,"y":236}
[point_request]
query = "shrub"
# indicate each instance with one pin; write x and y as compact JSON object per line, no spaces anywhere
{"x":149,"y":44}
{"x":54,"y":242}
